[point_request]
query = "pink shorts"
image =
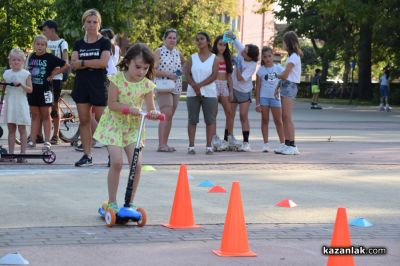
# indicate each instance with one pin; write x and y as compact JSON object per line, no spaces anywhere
{"x":222,"y":88}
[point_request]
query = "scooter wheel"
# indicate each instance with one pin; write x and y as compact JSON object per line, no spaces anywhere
{"x":110,"y":217}
{"x":142,"y":221}
{"x":49,"y":156}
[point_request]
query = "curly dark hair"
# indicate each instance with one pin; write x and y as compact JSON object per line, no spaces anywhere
{"x":138,"y":49}
{"x":227,"y":54}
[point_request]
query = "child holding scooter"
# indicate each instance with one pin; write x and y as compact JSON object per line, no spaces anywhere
{"x":17,"y":109}
{"x":119,"y":125}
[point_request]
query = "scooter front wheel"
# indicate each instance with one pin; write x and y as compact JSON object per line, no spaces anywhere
{"x":142,"y":221}
{"x":110,"y":217}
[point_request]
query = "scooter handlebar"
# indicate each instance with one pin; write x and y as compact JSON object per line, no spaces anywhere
{"x":160,"y":117}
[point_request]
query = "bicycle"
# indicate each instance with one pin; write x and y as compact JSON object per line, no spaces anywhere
{"x":69,"y":122}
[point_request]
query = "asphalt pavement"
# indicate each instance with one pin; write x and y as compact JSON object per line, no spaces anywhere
{"x":349,"y":158}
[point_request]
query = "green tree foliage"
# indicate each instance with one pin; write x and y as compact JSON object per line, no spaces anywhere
{"x":18,"y":23}
{"x":145,"y":21}
{"x":365,"y":31}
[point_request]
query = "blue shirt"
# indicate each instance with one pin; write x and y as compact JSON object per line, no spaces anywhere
{"x":269,"y":80}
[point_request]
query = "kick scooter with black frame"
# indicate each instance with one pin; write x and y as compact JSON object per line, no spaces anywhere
{"x":48,"y":156}
{"x":127,"y":213}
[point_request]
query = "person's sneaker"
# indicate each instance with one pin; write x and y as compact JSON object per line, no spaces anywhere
{"x":31,"y":144}
{"x":191,"y":150}
{"x":55,"y":140}
{"x":97,"y":144}
{"x":47,"y":145}
{"x":245,"y":147}
{"x":233,"y":143}
{"x":216,"y":142}
{"x":290,"y":150}
{"x":84,"y":161}
{"x":224,"y":145}
{"x":209,"y":150}
{"x":281,"y":148}
{"x":388,"y":108}
{"x":113,"y":206}
{"x":79,"y":148}
{"x":265,"y":147}
{"x":39,"y":140}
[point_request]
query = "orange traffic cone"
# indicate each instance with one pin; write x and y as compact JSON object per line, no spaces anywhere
{"x":234,"y":239}
{"x":341,"y":238}
{"x":182,"y":213}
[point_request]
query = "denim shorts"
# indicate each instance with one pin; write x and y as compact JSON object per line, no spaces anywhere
{"x":384,"y":91}
{"x":289,"y":89}
{"x":241,"y":97}
{"x":270,"y":102}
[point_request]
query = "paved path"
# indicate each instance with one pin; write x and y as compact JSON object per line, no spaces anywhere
{"x":350,"y":157}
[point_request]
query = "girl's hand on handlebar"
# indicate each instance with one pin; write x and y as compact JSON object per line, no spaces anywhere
{"x":154,"y":115}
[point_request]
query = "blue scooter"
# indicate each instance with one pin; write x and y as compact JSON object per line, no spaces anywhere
{"x":127,"y":213}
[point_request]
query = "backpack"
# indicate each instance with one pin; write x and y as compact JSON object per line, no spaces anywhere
{"x":66,"y":73}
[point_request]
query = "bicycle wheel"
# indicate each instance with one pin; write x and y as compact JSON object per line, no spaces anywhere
{"x":69,"y":124}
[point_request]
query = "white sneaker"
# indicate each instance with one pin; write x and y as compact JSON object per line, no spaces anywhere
{"x":388,"y":108}
{"x":47,"y":145}
{"x":233,"y":143}
{"x":97,"y":144}
{"x":265,"y":147}
{"x":224,"y":145}
{"x":209,"y":150}
{"x":245,"y":147}
{"x":290,"y":150}
{"x":381,"y":108}
{"x":191,"y":150}
{"x":281,"y":148}
{"x":216,"y":142}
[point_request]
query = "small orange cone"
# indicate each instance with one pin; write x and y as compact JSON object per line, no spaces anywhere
{"x":234,"y":239}
{"x":341,"y":238}
{"x":217,"y":189}
{"x":182,"y":213}
{"x":286,"y":203}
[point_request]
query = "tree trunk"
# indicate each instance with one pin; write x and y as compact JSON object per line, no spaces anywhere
{"x":346,"y":74}
{"x":364,"y":62}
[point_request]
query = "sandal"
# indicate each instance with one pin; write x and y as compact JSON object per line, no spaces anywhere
{"x":165,"y":149}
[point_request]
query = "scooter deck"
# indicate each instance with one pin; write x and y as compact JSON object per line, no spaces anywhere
{"x":124,"y":215}
{"x":48,"y":156}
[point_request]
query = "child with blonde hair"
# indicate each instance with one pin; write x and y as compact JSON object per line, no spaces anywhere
{"x":43,"y":66}
{"x":17,"y":108}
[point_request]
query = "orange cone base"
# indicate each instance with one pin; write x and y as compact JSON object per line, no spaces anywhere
{"x":235,"y":254}
{"x":182,"y":227}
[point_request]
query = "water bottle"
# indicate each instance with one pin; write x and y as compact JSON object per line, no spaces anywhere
{"x":226,"y":38}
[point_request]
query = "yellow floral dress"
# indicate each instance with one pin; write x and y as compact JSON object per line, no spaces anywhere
{"x":116,"y":128}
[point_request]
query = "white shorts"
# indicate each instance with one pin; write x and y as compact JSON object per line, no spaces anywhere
{"x":222,"y":88}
